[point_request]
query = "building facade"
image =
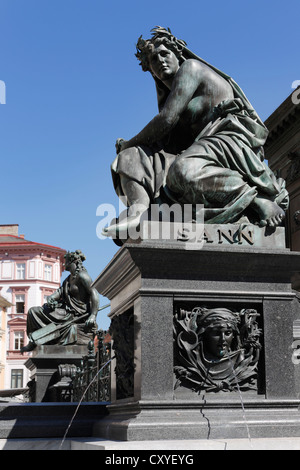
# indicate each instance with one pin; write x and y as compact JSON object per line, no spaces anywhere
{"x":29,"y":272}
{"x":282,"y":150}
{"x":4,"y":304}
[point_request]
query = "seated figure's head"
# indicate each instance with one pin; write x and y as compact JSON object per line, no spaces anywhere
{"x":161,"y":37}
{"x":76,"y":257}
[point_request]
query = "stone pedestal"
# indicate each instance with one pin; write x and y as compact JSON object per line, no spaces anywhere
{"x":147,"y":282}
{"x":44,"y":365}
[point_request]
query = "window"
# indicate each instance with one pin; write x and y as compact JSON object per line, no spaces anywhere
{"x":18,"y":340}
{"x":48,"y":272}
{"x":20,"y":304}
{"x":20,"y":270}
{"x":16,"y":378}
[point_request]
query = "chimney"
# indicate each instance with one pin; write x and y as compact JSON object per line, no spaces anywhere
{"x":9,"y":230}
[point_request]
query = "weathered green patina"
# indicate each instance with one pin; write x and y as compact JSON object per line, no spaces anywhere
{"x":69,"y":316}
{"x":205,"y":146}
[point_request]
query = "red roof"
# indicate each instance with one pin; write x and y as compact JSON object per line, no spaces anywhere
{"x":13,"y":240}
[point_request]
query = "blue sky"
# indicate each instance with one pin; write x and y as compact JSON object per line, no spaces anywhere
{"x":73,"y":86}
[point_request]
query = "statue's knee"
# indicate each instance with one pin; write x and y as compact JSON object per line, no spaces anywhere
{"x":30,"y":313}
{"x":177,"y":174}
{"x":126,"y":156}
{"x":33,"y":311}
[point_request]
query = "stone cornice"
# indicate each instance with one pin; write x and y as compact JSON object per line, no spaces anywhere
{"x":282,"y":119}
{"x":4,"y":303}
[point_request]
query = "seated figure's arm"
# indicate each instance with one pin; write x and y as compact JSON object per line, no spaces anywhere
{"x":185,"y":84}
{"x":92,"y":298}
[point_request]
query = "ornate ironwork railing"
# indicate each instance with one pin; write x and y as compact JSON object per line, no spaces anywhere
{"x":91,"y":381}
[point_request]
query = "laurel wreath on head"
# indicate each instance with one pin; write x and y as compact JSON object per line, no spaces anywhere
{"x":142,"y":46}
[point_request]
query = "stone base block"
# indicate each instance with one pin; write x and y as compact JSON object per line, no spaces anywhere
{"x":148,"y":282}
{"x":44,"y":365}
{"x":224,"y":419}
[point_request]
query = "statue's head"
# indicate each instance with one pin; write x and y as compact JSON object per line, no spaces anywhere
{"x":218,"y":331}
{"x":160,"y":37}
{"x":76,"y":257}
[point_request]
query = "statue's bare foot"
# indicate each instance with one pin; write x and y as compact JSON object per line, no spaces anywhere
{"x":269,"y":212}
{"x":122,"y":228}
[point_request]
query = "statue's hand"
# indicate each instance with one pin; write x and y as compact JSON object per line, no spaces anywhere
{"x":120,"y":145}
{"x":90,"y":322}
{"x":52,"y":303}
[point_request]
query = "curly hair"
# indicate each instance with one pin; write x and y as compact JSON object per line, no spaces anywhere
{"x":159,"y":36}
{"x":76,"y":257}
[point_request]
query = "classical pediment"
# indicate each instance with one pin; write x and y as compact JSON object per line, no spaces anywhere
{"x":17,"y":321}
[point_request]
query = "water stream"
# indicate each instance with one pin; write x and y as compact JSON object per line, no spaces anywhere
{"x":99,"y":371}
{"x":80,"y":401}
{"x":241,"y":400}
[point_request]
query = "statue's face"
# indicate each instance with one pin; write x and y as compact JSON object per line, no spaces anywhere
{"x":163,"y":62}
{"x":68,"y":262}
{"x":217,"y":340}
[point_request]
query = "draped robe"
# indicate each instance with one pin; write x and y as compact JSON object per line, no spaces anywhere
{"x":223,"y":168}
{"x":68,"y":309}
